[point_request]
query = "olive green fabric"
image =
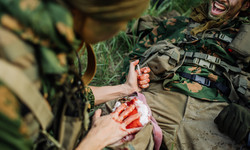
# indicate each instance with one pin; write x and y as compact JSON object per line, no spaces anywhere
{"x":175,"y":31}
{"x":187,"y":122}
{"x":162,"y":59}
{"x":234,"y":121}
{"x":242,"y":86}
{"x":112,"y":10}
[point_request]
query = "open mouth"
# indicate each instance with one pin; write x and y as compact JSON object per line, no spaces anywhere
{"x":218,"y":8}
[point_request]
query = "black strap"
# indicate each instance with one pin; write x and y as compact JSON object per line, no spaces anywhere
{"x":206,"y":82}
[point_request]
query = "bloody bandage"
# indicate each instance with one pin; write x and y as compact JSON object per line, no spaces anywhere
{"x":140,"y":108}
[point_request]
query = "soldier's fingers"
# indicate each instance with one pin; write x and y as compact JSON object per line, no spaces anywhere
{"x":119,"y":109}
{"x":133,"y":130}
{"x":131,"y":118}
{"x":144,"y":86}
{"x":126,"y":112}
{"x":97,"y":114}
{"x":135,"y":62}
{"x":132,"y":65}
{"x":141,"y":82}
{"x":143,"y":76}
{"x":145,"y":70}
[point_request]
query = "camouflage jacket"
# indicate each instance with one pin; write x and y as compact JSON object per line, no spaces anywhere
{"x":38,"y":38}
{"x":175,"y":30}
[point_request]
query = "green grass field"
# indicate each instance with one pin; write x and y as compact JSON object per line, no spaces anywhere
{"x":111,"y":53}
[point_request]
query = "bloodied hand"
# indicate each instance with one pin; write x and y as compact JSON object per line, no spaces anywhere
{"x":112,"y":128}
{"x":137,"y":79}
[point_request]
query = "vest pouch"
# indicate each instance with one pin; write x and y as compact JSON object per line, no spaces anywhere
{"x":242,"y":87}
{"x":161,"y":58}
{"x":240,"y":45}
{"x":69,"y":131}
{"x":72,"y":127}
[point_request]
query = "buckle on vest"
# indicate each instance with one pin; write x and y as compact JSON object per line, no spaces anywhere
{"x":225,"y":38}
{"x":204,"y":64}
{"x":213,"y":59}
{"x":201,"y":80}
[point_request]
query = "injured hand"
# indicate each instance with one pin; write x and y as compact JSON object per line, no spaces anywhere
{"x":133,"y":107}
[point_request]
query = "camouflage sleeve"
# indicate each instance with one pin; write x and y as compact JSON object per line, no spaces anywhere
{"x":13,"y":130}
{"x":90,"y":97}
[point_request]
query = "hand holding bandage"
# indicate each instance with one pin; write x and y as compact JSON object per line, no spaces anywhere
{"x":137,"y":79}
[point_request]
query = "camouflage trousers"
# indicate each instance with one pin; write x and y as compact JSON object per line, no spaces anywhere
{"x":187,"y":123}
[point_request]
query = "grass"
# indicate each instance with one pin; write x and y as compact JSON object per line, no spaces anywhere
{"x":111,"y":53}
{"x":110,"y":56}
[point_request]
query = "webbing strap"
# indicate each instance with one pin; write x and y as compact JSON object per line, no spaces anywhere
{"x":218,"y":36}
{"x":203,"y":63}
{"x":208,"y":61}
{"x":19,"y":83}
{"x":91,"y":66}
{"x":206,"y":82}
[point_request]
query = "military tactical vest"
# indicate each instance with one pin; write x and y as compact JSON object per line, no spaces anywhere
{"x":164,"y":58}
{"x":20,"y":66}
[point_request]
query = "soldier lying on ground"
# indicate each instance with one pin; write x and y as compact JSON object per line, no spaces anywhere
{"x":37,"y":43}
{"x":199,"y":90}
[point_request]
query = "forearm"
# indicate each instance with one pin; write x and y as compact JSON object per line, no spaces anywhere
{"x":107,"y":93}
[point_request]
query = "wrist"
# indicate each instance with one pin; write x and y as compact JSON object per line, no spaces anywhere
{"x":127,"y":90}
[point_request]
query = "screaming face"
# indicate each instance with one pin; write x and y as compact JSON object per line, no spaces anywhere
{"x":226,"y":9}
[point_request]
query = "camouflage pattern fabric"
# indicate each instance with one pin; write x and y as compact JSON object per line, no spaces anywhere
{"x":13,"y":131}
{"x":47,"y":29}
{"x":174,"y":30}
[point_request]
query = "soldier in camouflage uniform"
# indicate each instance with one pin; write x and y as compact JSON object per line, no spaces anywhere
{"x":184,"y":104}
{"x":37,"y":43}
